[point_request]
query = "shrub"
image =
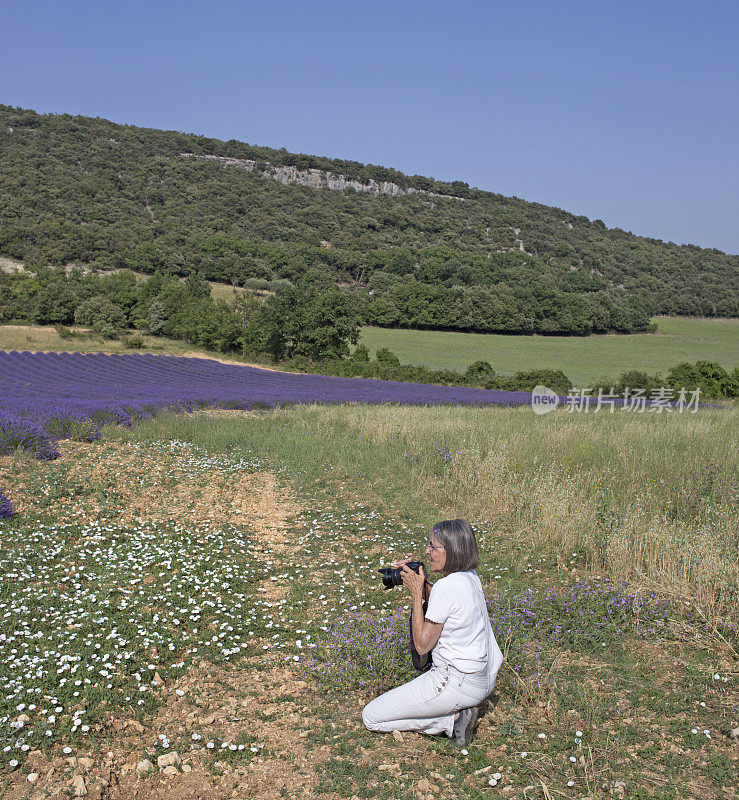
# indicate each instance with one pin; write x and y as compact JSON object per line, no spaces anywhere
{"x":712,"y":379}
{"x":18,"y":433}
{"x":257,"y":284}
{"x":526,"y":381}
{"x":632,"y":379}
{"x":135,"y":342}
{"x":386,"y":356}
{"x":105,"y":329}
{"x":72,"y":425}
{"x":371,"y":652}
{"x":481,"y":373}
{"x":361,"y":353}
{"x":280,"y":283}
{"x":64,"y":332}
{"x":363,"y":650}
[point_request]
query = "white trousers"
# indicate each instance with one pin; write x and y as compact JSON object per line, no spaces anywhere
{"x":429,"y":702}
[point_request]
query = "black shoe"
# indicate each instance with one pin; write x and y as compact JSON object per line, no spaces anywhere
{"x":464,"y":726}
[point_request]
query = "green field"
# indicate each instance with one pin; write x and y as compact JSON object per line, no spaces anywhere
{"x":583,"y":359}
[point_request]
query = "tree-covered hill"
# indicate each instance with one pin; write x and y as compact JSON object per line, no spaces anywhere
{"x":418,"y":253}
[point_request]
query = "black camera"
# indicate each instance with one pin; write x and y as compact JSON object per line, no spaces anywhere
{"x":393,"y":576}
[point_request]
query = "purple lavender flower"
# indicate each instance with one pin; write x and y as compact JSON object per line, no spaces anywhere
{"x":6,"y":509}
{"x":19,"y":432}
{"x":49,"y":396}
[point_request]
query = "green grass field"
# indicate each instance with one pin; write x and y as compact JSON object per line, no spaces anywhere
{"x":583,"y":359}
{"x":206,"y":584}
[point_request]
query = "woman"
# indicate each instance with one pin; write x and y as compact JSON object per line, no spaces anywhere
{"x":457,"y":631}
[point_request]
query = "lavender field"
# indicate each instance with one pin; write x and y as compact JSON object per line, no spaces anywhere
{"x":46,"y":396}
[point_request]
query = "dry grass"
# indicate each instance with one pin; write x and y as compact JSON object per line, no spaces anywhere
{"x":651,"y":497}
{"x":224,"y":291}
{"x":46,"y":337}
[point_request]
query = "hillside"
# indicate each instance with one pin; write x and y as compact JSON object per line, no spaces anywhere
{"x":414,"y":252}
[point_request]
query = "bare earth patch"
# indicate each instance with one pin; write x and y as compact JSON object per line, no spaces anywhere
{"x":219,"y":704}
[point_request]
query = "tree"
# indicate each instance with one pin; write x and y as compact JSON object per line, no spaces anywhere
{"x":361,"y":353}
{"x":98,"y":313}
{"x":308,"y":321}
{"x":55,"y":304}
{"x":157,"y":317}
{"x":197,"y":286}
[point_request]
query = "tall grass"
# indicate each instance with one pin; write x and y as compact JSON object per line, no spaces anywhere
{"x":651,"y":498}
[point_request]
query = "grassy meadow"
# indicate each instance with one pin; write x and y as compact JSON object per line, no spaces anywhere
{"x":206,"y":585}
{"x":651,"y":498}
{"x":46,"y":337}
{"x":582,"y":359}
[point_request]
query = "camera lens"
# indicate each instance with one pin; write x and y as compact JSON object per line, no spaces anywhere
{"x":393,"y":576}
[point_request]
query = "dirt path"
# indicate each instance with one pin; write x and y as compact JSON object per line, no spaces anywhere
{"x":260,"y":709}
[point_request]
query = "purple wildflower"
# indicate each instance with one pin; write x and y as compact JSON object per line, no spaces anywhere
{"x":6,"y":510}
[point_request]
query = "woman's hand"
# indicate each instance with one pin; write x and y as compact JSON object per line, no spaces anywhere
{"x":413,"y":581}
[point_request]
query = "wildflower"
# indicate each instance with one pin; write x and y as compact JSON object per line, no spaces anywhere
{"x":6,"y":509}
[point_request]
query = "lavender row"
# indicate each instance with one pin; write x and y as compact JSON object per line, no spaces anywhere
{"x":49,"y":396}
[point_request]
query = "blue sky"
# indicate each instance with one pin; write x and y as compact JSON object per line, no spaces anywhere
{"x":623,"y":111}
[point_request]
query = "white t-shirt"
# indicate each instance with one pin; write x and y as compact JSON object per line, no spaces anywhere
{"x":454,"y":603}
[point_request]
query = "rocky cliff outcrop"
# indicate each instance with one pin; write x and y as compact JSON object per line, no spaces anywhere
{"x":318,"y":178}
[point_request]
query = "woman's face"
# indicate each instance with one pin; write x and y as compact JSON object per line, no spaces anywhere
{"x":435,"y":554}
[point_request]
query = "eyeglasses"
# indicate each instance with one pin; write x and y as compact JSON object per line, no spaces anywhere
{"x":431,"y":546}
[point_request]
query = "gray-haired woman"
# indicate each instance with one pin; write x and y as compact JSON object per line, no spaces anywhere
{"x":456,"y":630}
